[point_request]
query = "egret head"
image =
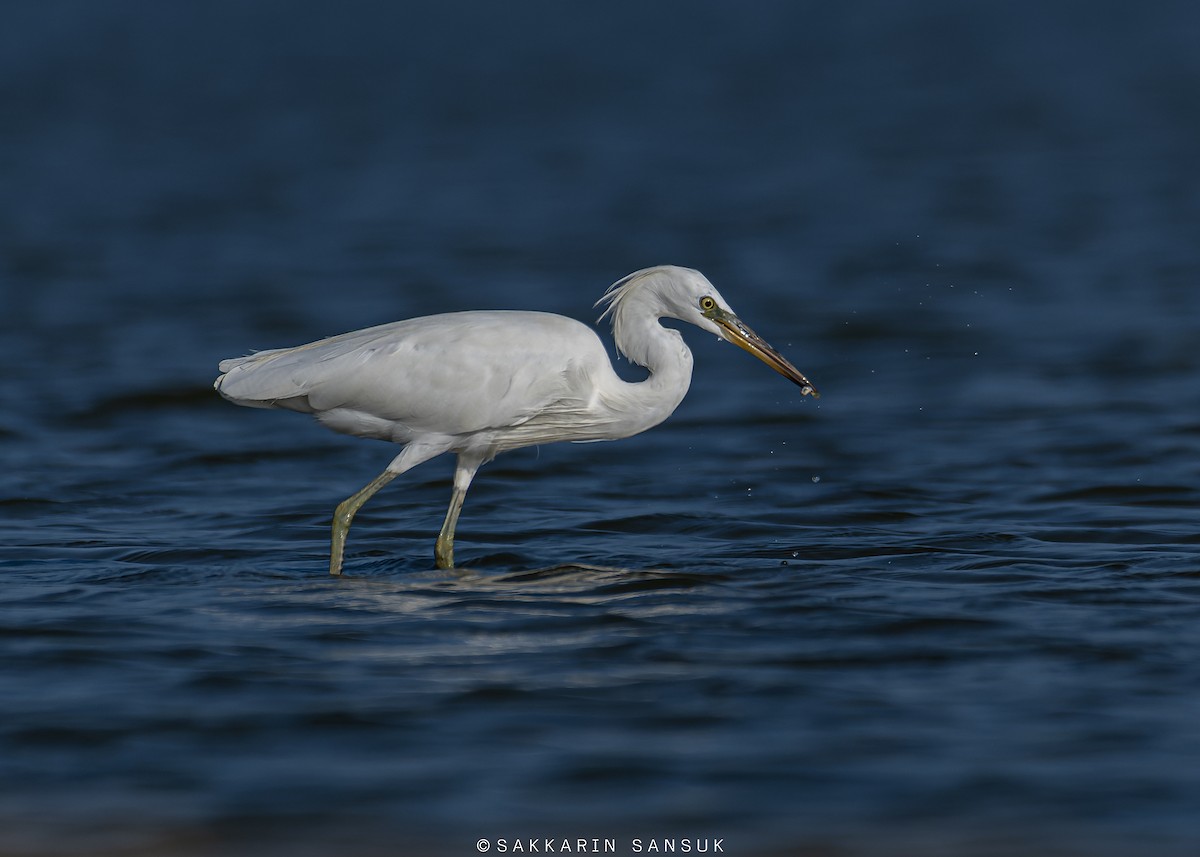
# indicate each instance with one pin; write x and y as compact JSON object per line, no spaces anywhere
{"x":686,"y":294}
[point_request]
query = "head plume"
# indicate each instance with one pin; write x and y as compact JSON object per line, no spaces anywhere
{"x":657,"y":292}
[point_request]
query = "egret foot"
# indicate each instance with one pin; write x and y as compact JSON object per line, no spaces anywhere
{"x":443,"y":553}
{"x":344,"y":514}
{"x":341,"y":528}
{"x":464,"y":472}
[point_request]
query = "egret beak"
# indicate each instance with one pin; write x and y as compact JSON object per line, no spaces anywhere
{"x":733,"y":329}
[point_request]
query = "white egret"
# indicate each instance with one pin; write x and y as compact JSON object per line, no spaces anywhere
{"x":481,"y":383}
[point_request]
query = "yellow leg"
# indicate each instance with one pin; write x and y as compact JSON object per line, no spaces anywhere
{"x":344,"y":514}
{"x":443,"y":551}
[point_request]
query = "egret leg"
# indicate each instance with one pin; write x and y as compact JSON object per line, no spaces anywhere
{"x":443,"y":551}
{"x":344,"y":514}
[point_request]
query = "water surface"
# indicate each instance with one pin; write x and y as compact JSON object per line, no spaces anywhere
{"x":950,"y":608}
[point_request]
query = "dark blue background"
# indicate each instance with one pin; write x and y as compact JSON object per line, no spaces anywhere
{"x":950,"y":608}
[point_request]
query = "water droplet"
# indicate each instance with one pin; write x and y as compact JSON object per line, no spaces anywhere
{"x":816,"y":479}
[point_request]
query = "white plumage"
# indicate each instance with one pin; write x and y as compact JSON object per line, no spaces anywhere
{"x":482,"y":383}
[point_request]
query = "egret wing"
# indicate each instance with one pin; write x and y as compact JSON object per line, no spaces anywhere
{"x":448,"y":374}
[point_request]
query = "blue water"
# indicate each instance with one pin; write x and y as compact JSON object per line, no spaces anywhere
{"x":952,"y":608}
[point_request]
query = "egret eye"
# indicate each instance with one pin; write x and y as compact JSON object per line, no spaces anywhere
{"x":707,"y":303}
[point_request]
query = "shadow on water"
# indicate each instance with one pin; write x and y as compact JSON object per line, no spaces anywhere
{"x":496,"y":577}
{"x":582,"y":578}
